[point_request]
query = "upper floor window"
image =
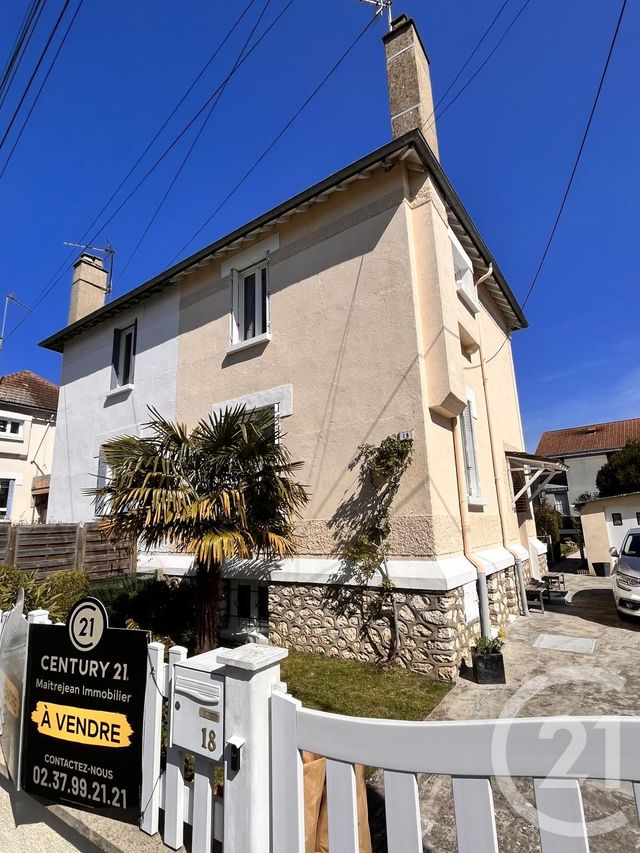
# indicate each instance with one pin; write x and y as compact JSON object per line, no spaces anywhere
{"x":11,"y":428}
{"x":123,"y":358}
{"x":463,"y":272}
{"x":250,"y":320}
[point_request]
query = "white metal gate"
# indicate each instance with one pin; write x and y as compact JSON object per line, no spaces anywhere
{"x":470,"y":751}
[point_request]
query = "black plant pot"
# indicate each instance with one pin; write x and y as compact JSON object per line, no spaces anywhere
{"x":488,"y":669}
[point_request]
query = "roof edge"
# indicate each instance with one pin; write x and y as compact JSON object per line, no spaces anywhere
{"x":413,"y":138}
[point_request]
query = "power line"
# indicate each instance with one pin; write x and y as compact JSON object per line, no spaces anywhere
{"x":574,"y":169}
{"x":21,"y":44}
{"x":65,"y":265}
{"x":58,"y":276}
{"x":34,"y":72}
{"x":277,"y":138}
{"x":42,"y":85}
{"x":195,"y":141}
{"x":478,"y":70}
{"x":469,"y":58}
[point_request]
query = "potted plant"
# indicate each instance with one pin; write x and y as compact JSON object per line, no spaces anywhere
{"x":488,"y":661}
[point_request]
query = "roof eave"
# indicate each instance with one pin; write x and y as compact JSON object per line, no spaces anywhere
{"x":413,"y":138}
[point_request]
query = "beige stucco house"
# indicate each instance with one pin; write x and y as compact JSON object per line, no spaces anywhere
{"x":366,"y":306}
{"x":28,"y":405}
{"x":605,"y":524}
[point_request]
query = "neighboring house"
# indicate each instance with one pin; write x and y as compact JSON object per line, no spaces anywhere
{"x":584,"y":450}
{"x":606,"y":522}
{"x":367,"y":305}
{"x":28,"y":405}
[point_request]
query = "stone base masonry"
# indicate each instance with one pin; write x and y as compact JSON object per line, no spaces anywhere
{"x":434,"y":636}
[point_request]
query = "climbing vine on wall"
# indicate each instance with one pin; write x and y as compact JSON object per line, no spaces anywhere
{"x":363,"y":525}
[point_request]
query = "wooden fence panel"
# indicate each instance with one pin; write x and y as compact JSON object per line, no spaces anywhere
{"x":102,"y":558}
{"x":47,"y":548}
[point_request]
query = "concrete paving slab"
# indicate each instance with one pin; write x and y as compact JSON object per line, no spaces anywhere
{"x":546,"y":682}
{"x":563,"y":643}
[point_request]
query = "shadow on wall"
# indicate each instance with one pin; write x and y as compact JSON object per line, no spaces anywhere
{"x":209,"y":302}
{"x":361,"y":527}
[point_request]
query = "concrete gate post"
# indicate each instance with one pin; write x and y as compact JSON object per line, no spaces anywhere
{"x":250,"y":673}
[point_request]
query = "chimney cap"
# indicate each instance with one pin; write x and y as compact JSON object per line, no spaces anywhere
{"x":86,"y":258}
{"x":400,"y":25}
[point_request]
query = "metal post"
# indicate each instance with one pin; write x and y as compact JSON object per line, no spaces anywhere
{"x":522,"y":587}
{"x":250,"y":673}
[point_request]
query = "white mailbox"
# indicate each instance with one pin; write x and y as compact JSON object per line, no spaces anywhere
{"x":197,"y":706}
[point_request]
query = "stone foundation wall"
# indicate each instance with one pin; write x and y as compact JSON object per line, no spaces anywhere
{"x":526,"y":570}
{"x":504,"y":600}
{"x":307,"y":618}
{"x":434,"y":637}
{"x":544,"y":565}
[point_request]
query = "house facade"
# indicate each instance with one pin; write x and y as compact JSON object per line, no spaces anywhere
{"x":28,"y":405}
{"x":366,"y":306}
{"x":605,"y":524}
{"x":584,"y":450}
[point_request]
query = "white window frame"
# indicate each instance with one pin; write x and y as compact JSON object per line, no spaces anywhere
{"x":5,"y":511}
{"x":468,"y":420}
{"x":463,"y":273}
{"x":128,"y":331}
{"x":12,"y":436}
{"x":237,"y":339}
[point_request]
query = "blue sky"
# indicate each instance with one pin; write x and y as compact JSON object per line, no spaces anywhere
{"x":507,"y":145}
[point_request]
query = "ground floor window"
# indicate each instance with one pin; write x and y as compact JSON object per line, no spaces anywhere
{"x":248,"y":607}
{"x":6,"y":497}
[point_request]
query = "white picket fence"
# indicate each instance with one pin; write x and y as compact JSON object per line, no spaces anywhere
{"x":470,"y":751}
{"x":263,"y":806}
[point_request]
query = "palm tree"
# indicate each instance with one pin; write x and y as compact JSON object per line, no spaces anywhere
{"x":224,"y":490}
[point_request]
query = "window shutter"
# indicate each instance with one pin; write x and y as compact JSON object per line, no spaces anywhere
{"x":134,"y":344}
{"x":518,"y":481}
{"x":467,"y":441}
{"x":234,"y":325}
{"x":115,"y":357}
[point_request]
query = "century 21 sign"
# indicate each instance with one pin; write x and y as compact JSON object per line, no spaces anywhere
{"x":83,"y":713}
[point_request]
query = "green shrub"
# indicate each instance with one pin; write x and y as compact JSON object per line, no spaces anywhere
{"x":167,"y":608}
{"x":548,"y":521}
{"x":55,"y":593}
{"x":67,"y":587}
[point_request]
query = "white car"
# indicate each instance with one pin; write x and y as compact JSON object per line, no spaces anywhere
{"x":626,"y":575}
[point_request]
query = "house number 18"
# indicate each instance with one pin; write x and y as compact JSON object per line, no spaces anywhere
{"x":209,"y":739}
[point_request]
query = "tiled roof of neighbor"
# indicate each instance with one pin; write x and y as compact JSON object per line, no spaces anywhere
{"x":584,"y":439}
{"x":25,"y":388}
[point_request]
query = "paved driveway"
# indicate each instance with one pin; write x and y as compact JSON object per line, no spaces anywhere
{"x":543,"y":682}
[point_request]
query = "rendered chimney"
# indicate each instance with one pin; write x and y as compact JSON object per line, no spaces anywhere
{"x":88,"y":287}
{"x":409,"y":82}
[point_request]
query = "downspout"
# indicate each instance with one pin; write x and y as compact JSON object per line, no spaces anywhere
{"x":483,"y":594}
{"x":497,"y":468}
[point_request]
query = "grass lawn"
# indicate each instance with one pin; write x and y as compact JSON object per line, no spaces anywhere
{"x":360,"y":689}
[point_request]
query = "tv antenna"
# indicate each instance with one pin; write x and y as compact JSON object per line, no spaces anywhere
{"x":9,"y":297}
{"x":382,"y":5}
{"x":107,"y":250}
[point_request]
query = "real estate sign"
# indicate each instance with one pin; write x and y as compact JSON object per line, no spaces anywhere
{"x":13,"y":652}
{"x":83,"y":713}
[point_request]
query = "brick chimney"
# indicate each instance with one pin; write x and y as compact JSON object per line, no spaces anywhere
{"x":409,"y":81}
{"x":88,"y":287}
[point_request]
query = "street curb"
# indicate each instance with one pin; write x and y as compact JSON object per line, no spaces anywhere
{"x":110,"y":836}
